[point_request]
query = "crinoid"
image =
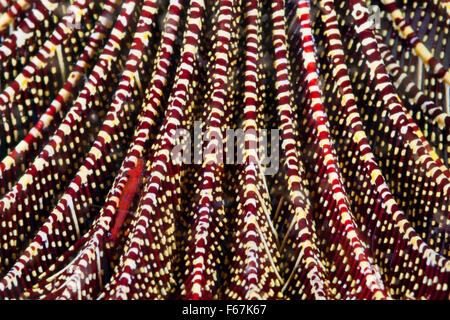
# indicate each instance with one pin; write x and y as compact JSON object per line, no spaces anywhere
{"x":229,"y":149}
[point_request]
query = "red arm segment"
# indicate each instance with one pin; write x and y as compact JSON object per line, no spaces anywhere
{"x":127,"y":196}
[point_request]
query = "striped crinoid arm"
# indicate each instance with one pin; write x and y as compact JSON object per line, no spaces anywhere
{"x":435,"y":115}
{"x":446,"y":5}
{"x":427,"y":18}
{"x":26,"y":39}
{"x":343,"y":245}
{"x":305,"y":273}
{"x":56,"y":282}
{"x":430,"y":22}
{"x":48,"y":175}
{"x":34,"y":84}
{"x":435,"y":235}
{"x":419,"y":134}
{"x":80,"y":275}
{"x":91,"y":253}
{"x":392,"y":239}
{"x":41,"y":26}
{"x":72,"y":214}
{"x":23,"y":31}
{"x":13,"y":12}
{"x":405,"y":83}
{"x":136,"y":162}
{"x":407,"y":32}
{"x":253,"y":267}
{"x":86,"y":261}
{"x":12,"y":166}
{"x":209,"y":218}
{"x":150,"y":244}
{"x":426,"y":171}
